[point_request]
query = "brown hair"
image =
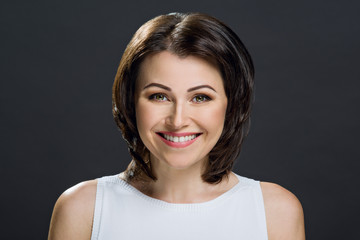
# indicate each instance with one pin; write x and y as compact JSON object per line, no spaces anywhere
{"x":197,"y":35}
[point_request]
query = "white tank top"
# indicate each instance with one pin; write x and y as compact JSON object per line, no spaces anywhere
{"x":124,"y":213}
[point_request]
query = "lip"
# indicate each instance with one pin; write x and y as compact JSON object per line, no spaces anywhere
{"x":183,"y":134}
{"x":178,"y":144}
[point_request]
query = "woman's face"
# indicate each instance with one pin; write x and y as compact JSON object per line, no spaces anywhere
{"x":180,"y":108}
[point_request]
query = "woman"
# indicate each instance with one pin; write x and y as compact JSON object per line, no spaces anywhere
{"x":181,"y":98}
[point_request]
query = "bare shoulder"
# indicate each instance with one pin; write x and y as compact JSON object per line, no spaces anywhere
{"x":284,"y":213}
{"x":73,"y":212}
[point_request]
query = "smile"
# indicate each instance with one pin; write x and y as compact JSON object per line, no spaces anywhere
{"x":178,"y":139}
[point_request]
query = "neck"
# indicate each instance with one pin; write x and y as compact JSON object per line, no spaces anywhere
{"x":183,"y":185}
{"x":179,"y":186}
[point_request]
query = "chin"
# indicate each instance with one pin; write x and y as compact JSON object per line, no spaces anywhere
{"x":179,"y":166}
{"x":178,"y":163}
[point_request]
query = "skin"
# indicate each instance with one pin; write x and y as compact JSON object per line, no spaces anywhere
{"x":185,"y":95}
{"x":73,"y":213}
{"x":166,"y":101}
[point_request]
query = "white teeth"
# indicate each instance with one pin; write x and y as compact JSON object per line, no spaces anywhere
{"x":179,"y":139}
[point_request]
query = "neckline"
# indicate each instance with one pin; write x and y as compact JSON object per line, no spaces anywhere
{"x":181,"y":206}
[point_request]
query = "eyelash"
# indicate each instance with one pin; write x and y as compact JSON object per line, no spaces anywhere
{"x":153,"y":97}
{"x":204,"y":97}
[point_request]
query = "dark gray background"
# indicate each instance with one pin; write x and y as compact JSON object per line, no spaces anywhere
{"x":58,"y":61}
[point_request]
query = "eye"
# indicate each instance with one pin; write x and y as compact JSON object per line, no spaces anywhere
{"x":158,"y":97}
{"x":201,"y":98}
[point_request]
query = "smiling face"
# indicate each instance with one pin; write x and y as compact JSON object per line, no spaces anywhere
{"x":180,"y":108}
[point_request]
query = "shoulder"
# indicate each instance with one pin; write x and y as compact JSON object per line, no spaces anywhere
{"x":73,"y":212}
{"x":284,"y":213}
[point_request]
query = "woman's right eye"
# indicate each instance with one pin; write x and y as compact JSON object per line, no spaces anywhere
{"x":158,"y":97}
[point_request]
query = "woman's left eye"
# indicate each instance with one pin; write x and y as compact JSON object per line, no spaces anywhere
{"x":201,"y":98}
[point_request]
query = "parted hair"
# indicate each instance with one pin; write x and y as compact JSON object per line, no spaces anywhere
{"x":189,"y":34}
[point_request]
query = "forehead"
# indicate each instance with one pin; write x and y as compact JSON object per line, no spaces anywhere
{"x":168,"y":68}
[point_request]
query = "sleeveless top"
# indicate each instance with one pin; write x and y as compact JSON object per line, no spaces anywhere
{"x":123,"y":212}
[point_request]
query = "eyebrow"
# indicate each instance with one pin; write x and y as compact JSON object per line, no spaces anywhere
{"x":200,"y":86}
{"x":169,"y":89}
{"x":157,"y":85}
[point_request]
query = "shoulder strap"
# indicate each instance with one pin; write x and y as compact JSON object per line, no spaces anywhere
{"x":98,"y":209}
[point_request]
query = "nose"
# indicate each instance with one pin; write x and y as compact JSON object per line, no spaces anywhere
{"x":178,"y":116}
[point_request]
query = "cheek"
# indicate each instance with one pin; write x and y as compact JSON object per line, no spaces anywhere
{"x":214,"y":118}
{"x":147,"y":117}
{"x":143,"y":118}
{"x":218,"y":118}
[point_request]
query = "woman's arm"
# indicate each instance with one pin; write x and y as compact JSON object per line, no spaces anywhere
{"x":284,"y":213}
{"x":73,"y":213}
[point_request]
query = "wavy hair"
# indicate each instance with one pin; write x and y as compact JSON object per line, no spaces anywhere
{"x":190,"y":34}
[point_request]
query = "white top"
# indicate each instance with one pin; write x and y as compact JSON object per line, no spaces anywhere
{"x":123,"y":212}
